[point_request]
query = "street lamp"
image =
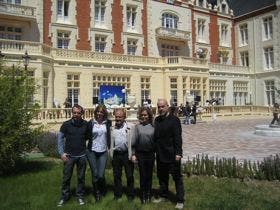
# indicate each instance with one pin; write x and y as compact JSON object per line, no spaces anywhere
{"x":26,"y":59}
{"x":124,"y":92}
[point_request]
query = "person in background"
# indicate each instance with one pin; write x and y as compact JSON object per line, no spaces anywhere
{"x":168,"y":144}
{"x":193,"y":113}
{"x":143,"y":139}
{"x":275,"y":111}
{"x":72,"y":139}
{"x":121,"y":152}
{"x":187,"y":113}
{"x":99,"y":143}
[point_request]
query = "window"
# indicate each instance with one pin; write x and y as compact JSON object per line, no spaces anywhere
{"x":201,"y":29}
{"x":169,"y":50}
{"x":63,"y":39}
{"x":131,"y":47}
{"x":99,"y":11}
{"x":9,"y":32}
{"x":200,"y":3}
{"x":145,"y":89}
{"x":270,"y":91}
{"x":45,"y":87}
{"x":173,"y":91}
{"x":244,"y":58}
{"x":267,"y":28}
{"x":169,"y":21}
{"x":268,"y":58}
{"x":130,"y":17}
{"x":73,"y":88}
{"x":240,"y":92}
{"x":100,"y":43}
{"x":63,"y":9}
{"x":243,"y":34}
{"x":11,"y":1}
{"x":224,"y":33}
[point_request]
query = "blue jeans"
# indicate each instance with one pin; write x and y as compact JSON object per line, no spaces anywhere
{"x":97,"y":162}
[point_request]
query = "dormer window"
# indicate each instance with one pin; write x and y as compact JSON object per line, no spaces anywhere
{"x":169,"y":20}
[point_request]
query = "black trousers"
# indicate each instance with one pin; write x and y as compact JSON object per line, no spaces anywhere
{"x":275,"y":118}
{"x":163,"y":171}
{"x":80,"y":163}
{"x":120,"y":160}
{"x":146,"y":166}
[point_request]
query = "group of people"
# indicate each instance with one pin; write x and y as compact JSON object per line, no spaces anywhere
{"x":189,"y":112}
{"x":151,"y":139}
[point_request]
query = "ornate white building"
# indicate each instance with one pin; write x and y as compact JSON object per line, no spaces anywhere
{"x":176,"y":49}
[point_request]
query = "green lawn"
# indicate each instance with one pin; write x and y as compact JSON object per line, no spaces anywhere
{"x":37,"y":186}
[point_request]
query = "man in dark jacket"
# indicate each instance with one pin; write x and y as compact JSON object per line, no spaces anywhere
{"x":168,"y":141}
{"x":72,"y":149}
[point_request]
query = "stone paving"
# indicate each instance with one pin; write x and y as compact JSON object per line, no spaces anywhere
{"x":229,"y":138}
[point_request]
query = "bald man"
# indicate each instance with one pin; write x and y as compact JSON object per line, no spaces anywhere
{"x":168,"y":140}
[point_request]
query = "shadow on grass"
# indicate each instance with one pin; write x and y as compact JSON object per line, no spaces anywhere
{"x":29,"y":166}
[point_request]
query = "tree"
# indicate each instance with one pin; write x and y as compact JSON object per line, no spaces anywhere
{"x":16,"y":113}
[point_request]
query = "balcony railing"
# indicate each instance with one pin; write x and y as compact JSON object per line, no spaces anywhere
{"x":59,"y":115}
{"x":14,"y":47}
{"x":171,"y":33}
{"x":18,"y":10}
{"x":228,"y":68}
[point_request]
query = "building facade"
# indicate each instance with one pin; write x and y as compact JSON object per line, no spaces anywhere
{"x":174,"y":49}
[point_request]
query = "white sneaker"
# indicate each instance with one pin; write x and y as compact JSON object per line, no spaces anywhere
{"x":159,"y":200}
{"x":179,"y":206}
{"x":81,"y":201}
{"x":61,"y":203}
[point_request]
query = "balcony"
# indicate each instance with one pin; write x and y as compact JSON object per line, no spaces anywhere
{"x":17,"y":12}
{"x":215,"y":67}
{"x":15,"y":48}
{"x":172,"y":34}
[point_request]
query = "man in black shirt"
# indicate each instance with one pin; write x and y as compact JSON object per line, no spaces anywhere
{"x":72,"y":149}
{"x":168,"y":141}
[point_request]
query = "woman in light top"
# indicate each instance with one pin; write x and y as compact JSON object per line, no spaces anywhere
{"x":144,"y":151}
{"x":98,"y":144}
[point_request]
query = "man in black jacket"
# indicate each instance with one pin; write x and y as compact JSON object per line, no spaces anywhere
{"x":168,"y":140}
{"x":72,"y":149}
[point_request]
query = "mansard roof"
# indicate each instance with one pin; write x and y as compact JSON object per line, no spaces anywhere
{"x":242,"y":7}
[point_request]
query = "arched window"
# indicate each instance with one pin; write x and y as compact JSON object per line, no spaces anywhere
{"x":169,"y":20}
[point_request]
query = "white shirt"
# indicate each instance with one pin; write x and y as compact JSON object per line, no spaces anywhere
{"x":99,"y":137}
{"x":120,"y":138}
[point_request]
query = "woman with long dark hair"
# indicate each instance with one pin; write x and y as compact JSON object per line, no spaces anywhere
{"x":98,"y":144}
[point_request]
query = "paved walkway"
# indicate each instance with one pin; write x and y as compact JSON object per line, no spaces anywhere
{"x":229,"y":138}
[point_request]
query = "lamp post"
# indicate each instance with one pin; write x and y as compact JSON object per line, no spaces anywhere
{"x":26,"y":59}
{"x":125,"y":98}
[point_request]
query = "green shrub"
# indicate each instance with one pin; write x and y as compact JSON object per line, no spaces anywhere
{"x":17,"y":109}
{"x":47,"y":144}
{"x":268,"y":169}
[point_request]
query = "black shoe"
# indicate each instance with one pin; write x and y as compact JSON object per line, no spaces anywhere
{"x":116,"y":198}
{"x":130,"y":198}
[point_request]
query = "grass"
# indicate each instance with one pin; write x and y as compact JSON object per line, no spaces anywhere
{"x":36,"y":185}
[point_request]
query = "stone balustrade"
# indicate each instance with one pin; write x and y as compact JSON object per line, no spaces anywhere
{"x":228,"y":68}
{"x":173,"y":33}
{"x":18,"y":10}
{"x":18,"y":48}
{"x":58,"y":115}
